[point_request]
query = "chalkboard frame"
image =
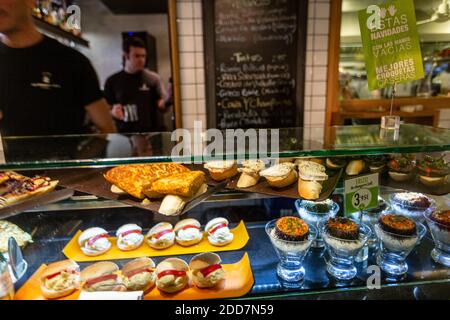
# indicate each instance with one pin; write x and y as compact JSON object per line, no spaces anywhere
{"x":209,"y":60}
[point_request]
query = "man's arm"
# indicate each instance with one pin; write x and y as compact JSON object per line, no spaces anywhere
{"x":100,"y":115}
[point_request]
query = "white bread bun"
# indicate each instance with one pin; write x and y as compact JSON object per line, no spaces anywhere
{"x":171,"y":283}
{"x":248,"y":178}
{"x":186,"y":235}
{"x":173,"y":205}
{"x":67,"y":266}
{"x":309,"y":190}
{"x":398,"y":176}
{"x":330,"y":164}
{"x":280,"y":175}
{"x":221,"y":170}
{"x":202,"y":261}
{"x":161,"y":241}
{"x":91,"y":233}
{"x":220,"y":237}
{"x":355,"y":167}
{"x":433,"y":181}
{"x":136,"y":276}
{"x":100,"y":269}
{"x":309,"y":170}
{"x":115,"y":189}
{"x":130,"y":241}
{"x":315,"y":160}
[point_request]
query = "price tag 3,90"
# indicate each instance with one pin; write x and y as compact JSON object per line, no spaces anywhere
{"x":361,"y":193}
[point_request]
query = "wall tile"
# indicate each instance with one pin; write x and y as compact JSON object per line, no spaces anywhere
{"x":320,"y":58}
{"x":310,"y":26}
{"x":188,"y":121}
{"x":199,"y":60}
{"x":322,"y":10}
{"x":321,"y":26}
{"x":317,"y":118}
{"x":189,"y":107}
{"x":185,"y":27}
{"x":319,"y":73}
{"x":198,"y":27}
{"x":308,"y":88}
{"x":307,"y":103}
{"x":188,"y":76}
{"x":310,"y":42}
{"x":200,"y":75}
{"x":321,"y":43}
{"x":186,"y":44}
{"x":201,"y":106}
{"x":187,"y":60}
{"x":309,"y":73}
{"x":319,"y":88}
{"x":200,"y":91}
{"x":318,"y":103}
{"x":198,"y":43}
{"x":188,"y":91}
{"x":185,"y":10}
{"x":197,"y":10}
{"x":309,"y":58}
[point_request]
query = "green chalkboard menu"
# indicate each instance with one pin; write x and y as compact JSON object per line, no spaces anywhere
{"x":255,"y":60}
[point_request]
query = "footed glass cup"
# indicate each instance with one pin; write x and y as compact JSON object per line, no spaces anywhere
{"x":291,"y":254}
{"x":394,"y":249}
{"x":343,"y":252}
{"x":441,"y":237}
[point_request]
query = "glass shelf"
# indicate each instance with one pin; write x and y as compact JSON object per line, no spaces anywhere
{"x":114,"y":149}
{"x":51,"y":232}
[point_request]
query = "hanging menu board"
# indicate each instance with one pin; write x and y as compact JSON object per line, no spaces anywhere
{"x":255,"y":62}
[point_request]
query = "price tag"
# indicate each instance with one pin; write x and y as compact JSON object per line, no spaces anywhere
{"x":361,"y":193}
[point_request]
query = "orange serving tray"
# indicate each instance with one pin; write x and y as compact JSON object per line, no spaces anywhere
{"x":73,"y":251}
{"x":238,"y":282}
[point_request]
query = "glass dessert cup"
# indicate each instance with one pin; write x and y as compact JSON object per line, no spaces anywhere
{"x":395,"y":248}
{"x":370,"y":218}
{"x":413,"y":212}
{"x":343,"y":252}
{"x":291,"y":253}
{"x":441,"y":237}
{"x":306,"y":210}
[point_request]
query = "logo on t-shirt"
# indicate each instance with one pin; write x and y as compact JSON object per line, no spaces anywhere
{"x":46,"y":82}
{"x":144,"y":87}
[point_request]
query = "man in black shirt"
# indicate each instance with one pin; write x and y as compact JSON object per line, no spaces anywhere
{"x":45,"y":87}
{"x":135,"y":93}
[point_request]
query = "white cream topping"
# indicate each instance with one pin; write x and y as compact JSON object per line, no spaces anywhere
{"x":220,"y":164}
{"x":131,"y":239}
{"x":99,"y":245}
{"x":279,"y":170}
{"x":221,"y":235}
{"x":189,"y":234}
{"x":168,"y":237}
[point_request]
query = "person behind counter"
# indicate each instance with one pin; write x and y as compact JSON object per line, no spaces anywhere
{"x":46,"y":88}
{"x":135,"y":93}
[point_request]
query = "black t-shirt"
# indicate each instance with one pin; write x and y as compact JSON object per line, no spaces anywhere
{"x":139,"y":93}
{"x":44,"y":89}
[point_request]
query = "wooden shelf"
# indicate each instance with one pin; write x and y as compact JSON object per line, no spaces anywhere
{"x":427,"y":117}
{"x":357,"y":105}
{"x":57,"y":31}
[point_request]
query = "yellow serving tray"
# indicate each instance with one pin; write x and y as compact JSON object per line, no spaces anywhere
{"x":73,"y":251}
{"x":238,"y":282}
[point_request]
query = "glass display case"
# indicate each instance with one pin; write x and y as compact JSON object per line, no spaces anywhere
{"x":53,"y":225}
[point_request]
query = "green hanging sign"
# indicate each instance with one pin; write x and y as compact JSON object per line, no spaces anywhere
{"x":391,"y":43}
